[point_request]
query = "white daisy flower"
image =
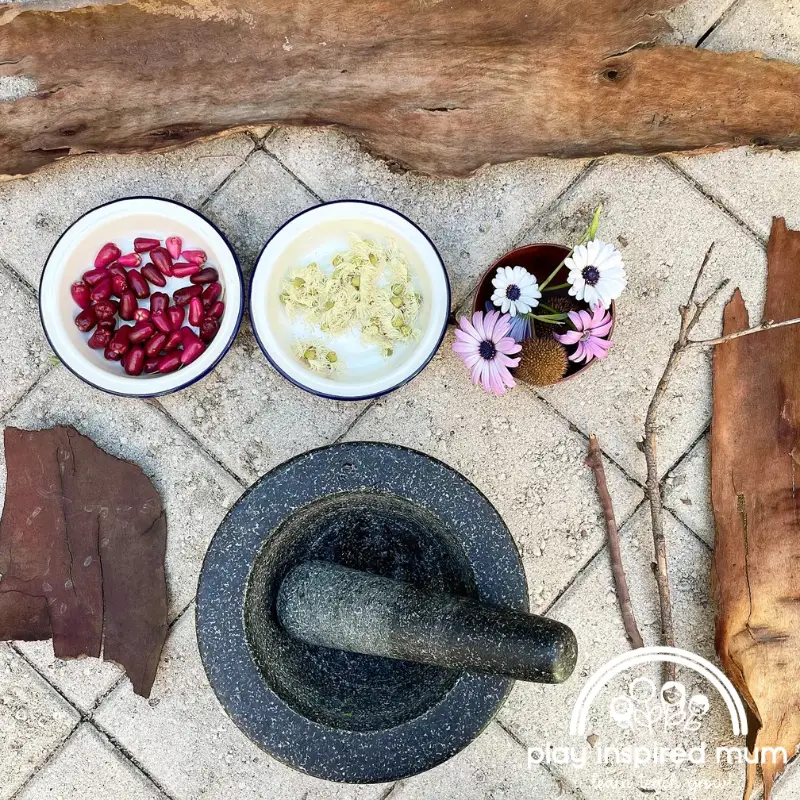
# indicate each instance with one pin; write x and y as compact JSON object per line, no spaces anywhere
{"x":596,"y":273}
{"x":516,"y":291}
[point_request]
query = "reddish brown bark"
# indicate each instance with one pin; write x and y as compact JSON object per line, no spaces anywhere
{"x":82,"y":541}
{"x":754,"y":459}
{"x":438,"y":87}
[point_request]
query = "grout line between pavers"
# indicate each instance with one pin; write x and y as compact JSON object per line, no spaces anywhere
{"x":224,"y":182}
{"x":130,"y":758}
{"x":355,"y":421}
{"x":523,"y":232}
{"x":562,"y":781}
{"x":390,"y":791}
{"x":713,"y":199}
{"x":291,"y":174}
{"x":13,"y":407}
{"x":15,"y":275}
{"x":48,"y":759}
{"x":154,"y":402}
{"x":715,"y":24}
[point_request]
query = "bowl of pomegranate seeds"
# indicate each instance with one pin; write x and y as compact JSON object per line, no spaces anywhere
{"x":141,"y":297}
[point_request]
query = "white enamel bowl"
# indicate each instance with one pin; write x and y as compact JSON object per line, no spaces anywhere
{"x":318,"y":234}
{"x":120,"y":222}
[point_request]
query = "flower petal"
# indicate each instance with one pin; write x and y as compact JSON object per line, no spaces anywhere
{"x":570,"y":337}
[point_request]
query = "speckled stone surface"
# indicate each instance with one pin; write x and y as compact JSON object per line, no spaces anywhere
{"x":325,"y":604}
{"x":403,"y":718}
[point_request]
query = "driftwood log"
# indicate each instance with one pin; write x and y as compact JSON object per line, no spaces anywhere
{"x":755,"y":476}
{"x":441,"y":87}
{"x":82,"y":542}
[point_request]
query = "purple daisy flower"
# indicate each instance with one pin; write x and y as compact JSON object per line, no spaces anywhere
{"x":591,"y":328}
{"x":521,"y":329}
{"x":485,"y":346}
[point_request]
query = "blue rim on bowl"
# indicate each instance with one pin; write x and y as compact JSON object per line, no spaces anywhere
{"x":73,"y":254}
{"x":293,"y":241}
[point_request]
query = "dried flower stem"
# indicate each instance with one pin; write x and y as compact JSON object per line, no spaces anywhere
{"x":690,"y":315}
{"x":595,"y":461}
{"x":764,"y":326}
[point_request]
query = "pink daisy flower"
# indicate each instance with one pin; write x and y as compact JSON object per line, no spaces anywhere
{"x":485,"y":346}
{"x":591,"y":328}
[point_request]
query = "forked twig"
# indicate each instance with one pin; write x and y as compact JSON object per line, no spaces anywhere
{"x":594,"y":460}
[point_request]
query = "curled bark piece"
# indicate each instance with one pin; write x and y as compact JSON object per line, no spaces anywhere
{"x":754,"y":473}
{"x":595,"y":461}
{"x":82,"y":541}
{"x":438,"y":87}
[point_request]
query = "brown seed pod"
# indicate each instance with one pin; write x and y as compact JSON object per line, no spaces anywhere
{"x":561,"y":303}
{"x":542,"y":362}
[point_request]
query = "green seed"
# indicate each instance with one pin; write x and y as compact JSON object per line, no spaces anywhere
{"x":397,"y":302}
{"x":337,"y":260}
{"x":329,"y":305}
{"x":284,"y":298}
{"x":373,"y":259}
{"x":299,"y":283}
{"x":398,"y":289}
{"x":405,"y":330}
{"x":310,"y":354}
{"x":356,"y":282}
{"x":332,"y":357}
{"x":397,"y":322}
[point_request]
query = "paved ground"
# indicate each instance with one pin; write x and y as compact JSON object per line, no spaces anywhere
{"x":76,"y":730}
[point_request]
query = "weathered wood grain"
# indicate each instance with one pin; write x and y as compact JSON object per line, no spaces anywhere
{"x":438,"y":87}
{"x":755,"y":470}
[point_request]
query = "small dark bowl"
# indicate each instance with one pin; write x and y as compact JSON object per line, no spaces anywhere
{"x":540,"y":260}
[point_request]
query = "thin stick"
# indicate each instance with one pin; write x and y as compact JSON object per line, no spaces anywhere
{"x":764,"y":326}
{"x":690,"y":314}
{"x":595,"y":461}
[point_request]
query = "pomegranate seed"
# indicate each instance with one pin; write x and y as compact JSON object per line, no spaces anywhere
{"x":196,"y":311}
{"x":142,"y":244}
{"x":86,"y":320}
{"x":112,"y":355}
{"x":174,"y":245}
{"x":176,"y":316}
{"x":208,"y":329}
{"x":130,"y":260}
{"x":107,"y":255}
{"x":121,"y":340}
{"x":141,"y":332}
{"x":161,"y":320}
{"x":80,"y":294}
{"x":162,"y":259}
{"x":141,"y":315}
{"x":185,"y":294}
{"x":158,"y":302}
{"x":207,"y":275}
{"x":192,"y":351}
{"x":174,"y":341}
{"x":138,"y":284}
{"x":184,"y":270}
{"x":102,"y":291}
{"x":151,"y":365}
{"x":116,"y":269}
{"x":105,"y":310}
{"x":95,"y":276}
{"x":170,"y":362}
{"x":119,"y":284}
{"x":217,"y":310}
{"x":155,"y":345}
{"x":211,"y":294}
{"x":153,"y":275}
{"x":100,"y":338}
{"x":127,"y":306}
{"x":134,"y":361}
{"x":194,"y":256}
{"x":108,"y":324}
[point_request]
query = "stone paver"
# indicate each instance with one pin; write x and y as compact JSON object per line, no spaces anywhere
{"x":89,"y":767}
{"x":24,"y":353}
{"x":251,"y":418}
{"x":35,"y":211}
{"x":493,"y":767}
{"x":691,"y":20}
{"x":33,"y":721}
{"x":539,"y":715}
{"x":663,"y":227}
{"x":687,"y":491}
{"x":196,"y":492}
{"x":472,"y":222}
{"x":521,"y":454}
{"x":254,"y":203}
{"x":82,"y":681}
{"x":771,"y":27}
{"x":183,"y":738}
